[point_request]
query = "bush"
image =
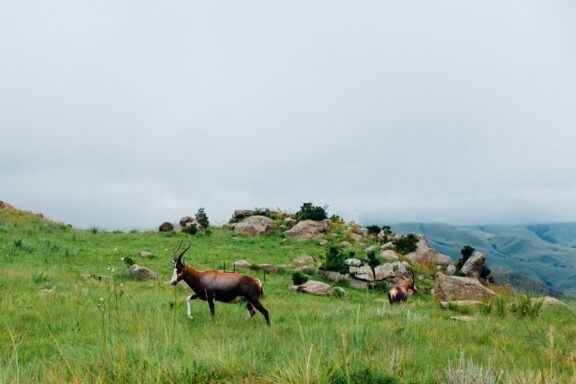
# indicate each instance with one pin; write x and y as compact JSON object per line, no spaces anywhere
{"x":310,"y":212}
{"x":466,"y":252}
{"x":192,"y":229}
{"x":406,"y":244}
{"x":524,"y":306}
{"x":202,"y":218}
{"x":335,"y":261}
{"x":299,"y":278}
{"x":373,"y":229}
{"x":386,"y":230}
{"x":128,"y":261}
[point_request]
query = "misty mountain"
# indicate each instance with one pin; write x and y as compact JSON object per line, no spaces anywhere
{"x":546,"y":251}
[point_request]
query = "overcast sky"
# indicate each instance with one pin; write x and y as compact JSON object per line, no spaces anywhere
{"x":123,"y":114}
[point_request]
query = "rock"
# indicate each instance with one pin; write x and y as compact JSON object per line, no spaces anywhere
{"x":242,"y":264}
{"x":304,"y":260}
{"x":460,"y":304}
{"x":450,"y":288}
{"x":356,"y":237}
{"x":384,"y":271}
{"x":145,"y":254}
{"x":308,"y":229}
{"x":364,"y":273}
{"x":243,"y":213}
{"x":464,"y":318}
{"x":345,"y":243}
{"x":269,"y":268}
{"x":166,"y":227}
{"x":353,"y":262}
{"x":322,"y":242}
{"x":254,"y":226}
{"x":389,"y":255}
{"x":141,"y":273}
{"x":547,"y":301}
{"x":304,"y":269}
{"x":313,"y":287}
{"x":48,"y":293}
{"x":3,"y":204}
{"x":363,"y":232}
{"x":229,"y":226}
{"x":290,"y":220}
{"x":338,"y":292}
{"x":185,"y":220}
{"x":388,"y":246}
{"x":473,"y":266}
{"x":372,"y":248}
{"x":451,"y":270}
{"x":334,"y":276}
{"x":425,"y":253}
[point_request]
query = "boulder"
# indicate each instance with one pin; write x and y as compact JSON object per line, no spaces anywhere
{"x":547,"y":301}
{"x":372,"y":248}
{"x":141,"y":273}
{"x":322,"y":242}
{"x":345,"y":243}
{"x":304,"y":260}
{"x":388,"y":246}
{"x":473,"y":266}
{"x":308,"y":229}
{"x":313,"y":287}
{"x":450,"y":288}
{"x":242,"y":264}
{"x":243,"y":213}
{"x":145,"y":254}
{"x":425,"y":253}
{"x":451,"y":270}
{"x":334,"y":276}
{"x":304,"y":269}
{"x":389,"y":255}
{"x":254,"y":226}
{"x":268,"y":268}
{"x":353,"y":262}
{"x":460,"y":304}
{"x":363,"y":273}
{"x":166,"y":227}
{"x":185,"y":220}
{"x":356,"y":237}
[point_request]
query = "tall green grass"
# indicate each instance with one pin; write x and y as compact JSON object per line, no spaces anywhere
{"x":123,"y":331}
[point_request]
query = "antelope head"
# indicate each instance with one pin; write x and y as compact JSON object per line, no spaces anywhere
{"x":178,"y":264}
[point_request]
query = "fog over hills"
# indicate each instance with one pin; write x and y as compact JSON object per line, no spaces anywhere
{"x":547,"y":251}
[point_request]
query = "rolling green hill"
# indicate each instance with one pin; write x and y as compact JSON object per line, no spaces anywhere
{"x":546,"y":251}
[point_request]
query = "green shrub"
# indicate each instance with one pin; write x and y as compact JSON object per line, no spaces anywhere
{"x":335,"y":260}
{"x":17,"y":243}
{"x":373,"y":229}
{"x":310,"y":212}
{"x":299,"y":278}
{"x":128,"y":261}
{"x":192,"y":229}
{"x":406,"y":244}
{"x":202,"y":218}
{"x":386,"y":230}
{"x":524,"y":306}
{"x":466,"y":252}
{"x":94,"y":230}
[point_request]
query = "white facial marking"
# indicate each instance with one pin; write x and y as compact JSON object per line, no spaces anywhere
{"x":174,"y":277}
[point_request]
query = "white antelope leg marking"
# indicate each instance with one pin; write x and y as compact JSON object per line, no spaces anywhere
{"x":189,"y":306}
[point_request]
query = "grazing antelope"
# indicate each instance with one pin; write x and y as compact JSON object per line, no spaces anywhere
{"x":210,"y":285}
{"x":399,"y":293}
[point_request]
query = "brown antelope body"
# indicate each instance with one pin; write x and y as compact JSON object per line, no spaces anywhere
{"x":212,"y":285}
{"x":399,"y":293}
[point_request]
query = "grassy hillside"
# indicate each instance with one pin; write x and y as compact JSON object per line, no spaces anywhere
{"x":545,"y":251}
{"x":58,"y":326}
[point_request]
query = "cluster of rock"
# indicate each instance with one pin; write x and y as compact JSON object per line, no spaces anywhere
{"x":184,"y":222}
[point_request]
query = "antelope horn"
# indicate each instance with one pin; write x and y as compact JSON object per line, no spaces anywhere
{"x":177,"y":248}
{"x":184,"y":251}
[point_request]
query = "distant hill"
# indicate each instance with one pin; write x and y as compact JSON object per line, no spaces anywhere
{"x":546,"y":251}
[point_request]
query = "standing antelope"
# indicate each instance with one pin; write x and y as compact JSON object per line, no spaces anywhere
{"x":210,"y":285}
{"x":399,"y":293}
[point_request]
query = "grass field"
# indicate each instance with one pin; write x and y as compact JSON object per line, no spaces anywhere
{"x":59,"y":326}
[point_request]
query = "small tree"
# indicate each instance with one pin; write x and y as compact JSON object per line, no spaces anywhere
{"x":386,"y":230}
{"x":299,"y":278}
{"x":373,"y":262}
{"x":202,"y":218}
{"x":406,"y":244}
{"x":467,"y":251}
{"x":310,"y":212}
{"x":335,"y":261}
{"x":192,"y":229}
{"x":373,"y":229}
